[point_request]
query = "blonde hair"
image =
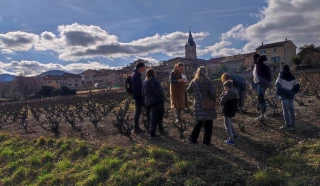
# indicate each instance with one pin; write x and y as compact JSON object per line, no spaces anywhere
{"x":225,"y":77}
{"x":200,"y":73}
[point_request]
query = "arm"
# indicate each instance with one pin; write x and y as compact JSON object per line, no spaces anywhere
{"x":173,"y":78}
{"x":224,"y":99}
{"x":296,"y":86}
{"x":137,"y":84}
{"x":159,"y":91}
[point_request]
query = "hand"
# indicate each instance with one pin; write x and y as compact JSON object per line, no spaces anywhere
{"x":180,"y":80}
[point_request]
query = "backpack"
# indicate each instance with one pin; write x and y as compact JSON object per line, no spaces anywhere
{"x":128,"y":85}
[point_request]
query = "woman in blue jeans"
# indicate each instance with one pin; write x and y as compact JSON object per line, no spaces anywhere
{"x":287,"y":87}
{"x":154,"y":99}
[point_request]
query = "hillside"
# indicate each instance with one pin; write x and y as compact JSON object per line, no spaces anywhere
{"x":7,"y":77}
{"x":53,"y":72}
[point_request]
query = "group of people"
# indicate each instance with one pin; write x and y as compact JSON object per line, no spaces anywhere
{"x":149,"y":94}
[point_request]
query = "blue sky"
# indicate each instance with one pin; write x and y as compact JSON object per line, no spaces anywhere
{"x":72,"y":35}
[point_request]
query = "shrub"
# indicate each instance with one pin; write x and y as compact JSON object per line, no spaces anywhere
{"x":67,"y":91}
{"x":56,"y":92}
{"x":45,"y":90}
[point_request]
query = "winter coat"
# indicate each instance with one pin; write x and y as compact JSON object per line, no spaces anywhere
{"x":264,"y":75}
{"x":178,"y":95}
{"x":153,"y":92}
{"x":207,"y":90}
{"x":229,"y":102}
{"x":287,"y":85}
{"x":136,"y":78}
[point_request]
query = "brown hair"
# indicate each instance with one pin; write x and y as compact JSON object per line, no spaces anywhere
{"x":225,"y":77}
{"x":178,"y":65}
{"x":228,"y":84}
{"x":150,"y":73}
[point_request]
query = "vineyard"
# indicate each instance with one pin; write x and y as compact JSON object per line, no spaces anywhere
{"x":106,"y":117}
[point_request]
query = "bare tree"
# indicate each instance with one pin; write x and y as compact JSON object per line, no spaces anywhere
{"x":27,"y":86}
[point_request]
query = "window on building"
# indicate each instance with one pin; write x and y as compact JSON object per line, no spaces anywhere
{"x":49,"y":82}
{"x":275,"y":59}
{"x":69,"y":84}
{"x":275,"y":50}
{"x":57,"y":82}
{"x":69,"y":80}
{"x":76,"y":80}
{"x":87,"y":77}
{"x":75,"y":85}
{"x":263,"y":51}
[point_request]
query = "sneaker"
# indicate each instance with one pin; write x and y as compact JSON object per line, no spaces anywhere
{"x":286,"y":128}
{"x":265,"y":116}
{"x":190,"y":141}
{"x":229,"y":142}
{"x":236,"y":136}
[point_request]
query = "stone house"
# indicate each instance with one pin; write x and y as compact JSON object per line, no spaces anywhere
{"x":278,"y":53}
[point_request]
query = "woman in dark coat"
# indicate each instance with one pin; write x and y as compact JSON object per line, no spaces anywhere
{"x":154,"y":99}
{"x":178,"y":95}
{"x":202,"y":88}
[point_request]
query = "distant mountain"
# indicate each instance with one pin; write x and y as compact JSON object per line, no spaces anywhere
{"x":53,"y":72}
{"x":7,"y":77}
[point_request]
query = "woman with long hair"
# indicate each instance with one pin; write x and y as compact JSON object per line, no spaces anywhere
{"x":178,"y":95}
{"x":204,"y":114}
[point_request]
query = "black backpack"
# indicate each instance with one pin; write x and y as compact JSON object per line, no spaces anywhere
{"x":129,"y":85}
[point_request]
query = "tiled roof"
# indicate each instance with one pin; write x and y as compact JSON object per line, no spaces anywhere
{"x":72,"y":75}
{"x":271,"y":45}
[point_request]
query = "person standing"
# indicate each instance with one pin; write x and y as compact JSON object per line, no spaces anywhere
{"x":262,"y":78}
{"x":240,"y":84}
{"x":203,"y":89}
{"x":178,"y":95}
{"x":154,"y":100}
{"x":229,"y":101}
{"x":136,"y":79}
{"x":287,"y":87}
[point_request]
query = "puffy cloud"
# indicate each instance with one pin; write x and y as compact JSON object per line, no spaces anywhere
{"x":31,"y":68}
{"x":297,"y":20}
{"x":18,"y":41}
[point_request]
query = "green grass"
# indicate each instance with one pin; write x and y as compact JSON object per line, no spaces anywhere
{"x":299,"y":165}
{"x":46,"y":161}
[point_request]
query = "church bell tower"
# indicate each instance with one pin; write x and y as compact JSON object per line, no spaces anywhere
{"x":191,"y":48}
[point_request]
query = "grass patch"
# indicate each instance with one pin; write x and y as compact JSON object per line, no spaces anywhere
{"x":47,"y":161}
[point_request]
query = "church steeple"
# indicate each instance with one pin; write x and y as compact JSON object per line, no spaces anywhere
{"x":190,"y":41}
{"x":190,"y":48}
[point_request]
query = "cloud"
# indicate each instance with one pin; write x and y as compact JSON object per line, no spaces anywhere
{"x":0,"y":18}
{"x":31,"y":68}
{"x":18,"y":41}
{"x":296,"y":20}
{"x":7,"y":51}
{"x":147,"y":58}
{"x":8,"y":58}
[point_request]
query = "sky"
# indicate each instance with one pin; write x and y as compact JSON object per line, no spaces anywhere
{"x":75,"y":35}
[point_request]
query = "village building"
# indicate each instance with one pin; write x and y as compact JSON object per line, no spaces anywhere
{"x":278,"y":53}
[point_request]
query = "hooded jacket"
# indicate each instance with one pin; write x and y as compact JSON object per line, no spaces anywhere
{"x":287,"y":85}
{"x":229,"y":102}
{"x":153,"y":92}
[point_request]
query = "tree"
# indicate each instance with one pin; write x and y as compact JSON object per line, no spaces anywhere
{"x":222,"y":69}
{"x":56,"y":92}
{"x":310,"y":46}
{"x":26,"y":86}
{"x":296,"y":60}
{"x":313,"y":59}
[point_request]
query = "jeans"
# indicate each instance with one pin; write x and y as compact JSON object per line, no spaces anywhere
{"x":229,"y":128}
{"x":288,"y":112}
{"x":241,"y":98}
{"x":208,"y":125}
{"x":155,"y":115}
{"x":261,"y":98}
{"x":139,"y":103}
